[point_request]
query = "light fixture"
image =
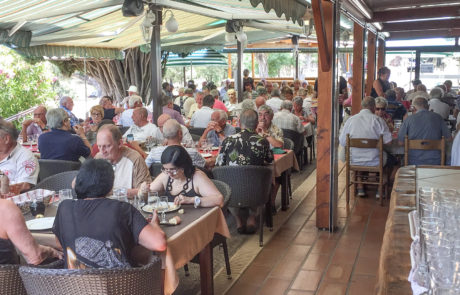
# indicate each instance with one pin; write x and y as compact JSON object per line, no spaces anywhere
{"x":378,"y":26}
{"x":171,"y":24}
{"x":147,"y":26}
{"x":241,"y":36}
{"x":229,"y":37}
{"x":362,"y":8}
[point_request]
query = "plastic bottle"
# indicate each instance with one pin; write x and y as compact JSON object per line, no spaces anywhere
{"x":5,"y":183}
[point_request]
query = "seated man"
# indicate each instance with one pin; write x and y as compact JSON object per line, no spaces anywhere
{"x":66,"y":103}
{"x":167,"y":103}
{"x":173,"y":134}
{"x":275,"y":101}
{"x":196,"y":105}
{"x":16,"y":162}
{"x":14,"y":234}
{"x":267,"y":129}
{"x":36,"y":126}
{"x":129,"y":166}
{"x":218,"y":105}
{"x":436,"y":105}
{"x":59,"y":143}
{"x":187,"y":139}
{"x":245,"y":148}
{"x":126,"y":118}
{"x":98,"y":232}
{"x":423,"y":125}
{"x":201,"y":117}
{"x":365,"y":124}
{"x":186,"y":101}
{"x":142,"y":128}
{"x":218,"y":129}
{"x":285,"y":119}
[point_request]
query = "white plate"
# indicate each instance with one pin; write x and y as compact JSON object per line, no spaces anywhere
{"x":172,"y":207}
{"x":206,"y":155}
{"x":215,"y":148}
{"x":40,"y":223}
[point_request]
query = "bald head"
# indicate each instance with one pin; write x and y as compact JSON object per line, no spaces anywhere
{"x":260,"y":100}
{"x":40,"y":113}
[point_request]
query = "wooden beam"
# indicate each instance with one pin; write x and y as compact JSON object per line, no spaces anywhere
{"x":416,"y":13}
{"x":381,"y":54}
{"x":324,"y":172}
{"x":425,"y":34}
{"x":421,"y":25}
{"x":370,"y":61}
{"x":229,"y":70}
{"x":252,"y":65}
{"x":358,"y":73}
{"x":323,"y":47}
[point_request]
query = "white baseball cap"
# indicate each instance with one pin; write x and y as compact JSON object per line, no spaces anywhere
{"x":132,"y":88}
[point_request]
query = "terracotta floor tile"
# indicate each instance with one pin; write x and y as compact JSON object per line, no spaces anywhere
{"x":286,"y":269}
{"x":324,"y":246}
{"x":307,"y":280}
{"x":316,"y":262}
{"x":254,"y":275}
{"x":362,"y":284}
{"x":344,"y":256}
{"x":328,"y":288}
{"x":267,"y":257}
{"x":367,"y":265}
{"x":305,"y":238}
{"x":242,"y":289}
{"x":296,"y":252}
{"x":339,"y":273}
{"x":296,"y":292}
{"x":274,"y":286}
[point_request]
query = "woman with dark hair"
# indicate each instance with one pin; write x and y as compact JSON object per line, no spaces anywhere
{"x":183,"y":183}
{"x":98,"y":232}
{"x":382,"y":84}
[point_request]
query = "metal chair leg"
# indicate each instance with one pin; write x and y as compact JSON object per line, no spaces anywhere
{"x":261,"y":228}
{"x":187,"y":273}
{"x":227,"y":260}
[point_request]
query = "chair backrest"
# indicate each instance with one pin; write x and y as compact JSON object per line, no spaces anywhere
{"x":296,"y":138}
{"x":365,"y":143}
{"x":123,"y":129}
{"x":155,"y":169}
{"x":140,"y":280}
{"x":424,"y":144}
{"x":288,"y":144}
{"x":52,"y":167}
{"x":250,"y":185}
{"x":10,"y":280}
{"x":225,"y":190}
{"x":58,"y":181}
{"x":195,"y":137}
{"x":197,"y":131}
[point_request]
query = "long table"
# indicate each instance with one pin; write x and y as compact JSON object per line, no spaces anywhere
{"x":395,"y":264}
{"x":191,"y":237}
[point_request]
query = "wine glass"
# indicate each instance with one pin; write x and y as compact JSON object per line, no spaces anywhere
{"x":210,"y":144}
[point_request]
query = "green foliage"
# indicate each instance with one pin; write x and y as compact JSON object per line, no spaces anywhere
{"x":22,"y":85}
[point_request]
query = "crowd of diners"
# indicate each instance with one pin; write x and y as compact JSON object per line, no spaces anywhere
{"x":392,"y":112}
{"x":111,"y":142}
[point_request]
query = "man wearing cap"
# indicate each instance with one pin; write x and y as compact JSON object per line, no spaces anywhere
{"x":132,"y":90}
{"x":126,"y":119}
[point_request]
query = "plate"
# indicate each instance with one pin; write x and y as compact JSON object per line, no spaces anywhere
{"x":206,"y":155}
{"x":40,"y":223}
{"x":215,"y":148}
{"x":172,"y":207}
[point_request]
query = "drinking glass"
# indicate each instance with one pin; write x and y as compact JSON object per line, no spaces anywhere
{"x":163,"y":207}
{"x":65,"y":194}
{"x":37,"y":206}
{"x":121,"y":194}
{"x":153,"y":200}
{"x":139,"y":202}
{"x":210,"y":144}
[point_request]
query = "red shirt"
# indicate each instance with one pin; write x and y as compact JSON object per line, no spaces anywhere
{"x":219,"y":105}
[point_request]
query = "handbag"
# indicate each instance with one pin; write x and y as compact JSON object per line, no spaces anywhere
{"x":132,"y":8}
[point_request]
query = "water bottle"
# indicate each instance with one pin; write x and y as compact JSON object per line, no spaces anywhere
{"x":4,"y":184}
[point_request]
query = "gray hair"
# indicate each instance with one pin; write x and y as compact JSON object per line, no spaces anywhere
{"x":276,"y":92}
{"x":248,"y":104}
{"x":222,"y":115}
{"x":302,"y":92}
{"x":381,"y":100}
{"x":165,"y":100}
{"x":214,"y":93}
{"x":8,"y":128}
{"x":420,"y":103}
{"x":171,"y":129}
{"x":114,"y":131}
{"x":286,"y":105}
{"x":266,"y":108}
{"x":247,"y":95}
{"x":298,"y":100}
{"x":64,"y":100}
{"x":249,"y":119}
{"x":188,"y":91}
{"x":55,"y":118}
{"x":261,"y":91}
{"x":275,"y":85}
{"x":437,"y":93}
{"x":368,"y":102}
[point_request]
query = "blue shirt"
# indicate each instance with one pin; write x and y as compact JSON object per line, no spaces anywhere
{"x":73,"y":119}
{"x":424,"y":125}
{"x":228,"y":130}
{"x":62,"y":145}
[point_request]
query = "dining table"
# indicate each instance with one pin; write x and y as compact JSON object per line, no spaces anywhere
{"x":395,"y":261}
{"x":191,"y":237}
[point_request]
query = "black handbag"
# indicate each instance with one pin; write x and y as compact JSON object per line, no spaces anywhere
{"x":132,"y":8}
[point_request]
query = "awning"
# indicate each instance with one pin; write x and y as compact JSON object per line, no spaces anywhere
{"x":205,"y":57}
{"x":292,"y":9}
{"x":19,"y":39}
{"x":53,"y":51}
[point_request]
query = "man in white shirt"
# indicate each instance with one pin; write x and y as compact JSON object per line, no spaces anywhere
{"x":275,"y":101}
{"x":196,"y":105}
{"x":132,"y":90}
{"x":187,"y":139}
{"x":126,"y":118}
{"x":16,"y":162}
{"x":142,"y":129}
{"x":285,"y":119}
{"x":201,"y":117}
{"x":185,"y":101}
{"x":436,"y":105}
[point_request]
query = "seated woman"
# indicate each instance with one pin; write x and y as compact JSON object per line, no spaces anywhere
{"x":232,"y":103}
{"x":184,"y":184}
{"x":380,"y":107}
{"x":97,"y":113}
{"x":97,"y":232}
{"x":14,"y":233}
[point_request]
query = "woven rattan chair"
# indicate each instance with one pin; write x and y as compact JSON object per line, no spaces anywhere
{"x":10,"y":281}
{"x":424,"y":144}
{"x":59,"y":181}
{"x":250,"y":187}
{"x":298,"y":140}
{"x":197,"y":131}
{"x":195,"y":137}
{"x":52,"y":167}
{"x":289,"y":145}
{"x":136,"y":281}
{"x":155,"y":169}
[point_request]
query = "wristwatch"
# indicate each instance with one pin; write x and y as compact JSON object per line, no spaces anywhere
{"x":197,"y":202}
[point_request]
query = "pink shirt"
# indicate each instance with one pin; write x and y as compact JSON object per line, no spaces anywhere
{"x":219,"y":105}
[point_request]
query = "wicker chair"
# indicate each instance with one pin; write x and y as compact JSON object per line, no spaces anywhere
{"x":297,"y":139}
{"x":141,"y":280}
{"x":10,"y":281}
{"x":155,"y":169}
{"x":59,"y":181}
{"x":250,"y":187}
{"x":289,"y":145}
{"x":195,"y":137}
{"x":197,"y":131}
{"x":52,"y":167}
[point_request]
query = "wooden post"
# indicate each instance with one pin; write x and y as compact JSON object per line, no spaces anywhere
{"x":252,"y":65}
{"x":326,"y":173}
{"x":381,"y":56}
{"x":358,"y":66}
{"x":229,"y":70}
{"x":239,"y":72}
{"x":370,"y":61}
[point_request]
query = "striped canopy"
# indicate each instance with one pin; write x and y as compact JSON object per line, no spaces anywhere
{"x":204,"y":57}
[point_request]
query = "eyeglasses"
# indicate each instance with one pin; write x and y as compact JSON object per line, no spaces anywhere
{"x":96,"y":114}
{"x":171,"y":171}
{"x":380,"y":109}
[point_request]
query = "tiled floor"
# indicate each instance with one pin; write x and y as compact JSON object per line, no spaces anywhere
{"x":301,"y":260}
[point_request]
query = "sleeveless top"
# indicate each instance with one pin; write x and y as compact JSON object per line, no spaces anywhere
{"x":184,"y":191}
{"x":8,"y":253}
{"x":385,"y":86}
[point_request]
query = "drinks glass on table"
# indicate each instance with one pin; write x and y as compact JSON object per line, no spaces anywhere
{"x":65,"y":194}
{"x":121,"y":194}
{"x":37,"y":206}
{"x":163,"y":206}
{"x":153,"y":199}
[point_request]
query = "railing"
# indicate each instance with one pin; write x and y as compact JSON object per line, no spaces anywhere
{"x":21,"y":114}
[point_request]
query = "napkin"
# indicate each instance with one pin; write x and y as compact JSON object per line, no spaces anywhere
{"x":278,"y":151}
{"x":414,"y":278}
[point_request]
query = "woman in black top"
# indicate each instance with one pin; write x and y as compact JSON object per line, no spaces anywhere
{"x":381,"y":85}
{"x":182,"y":182}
